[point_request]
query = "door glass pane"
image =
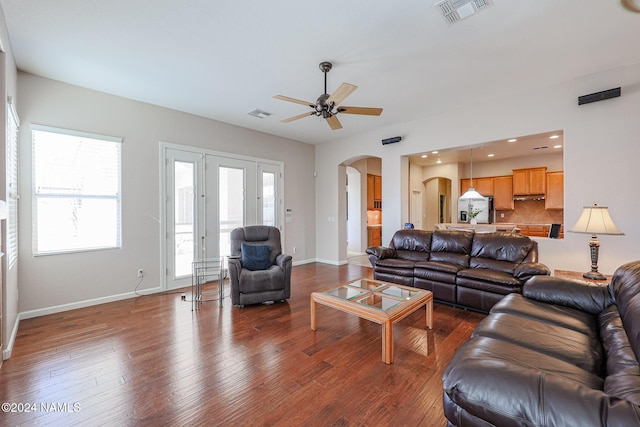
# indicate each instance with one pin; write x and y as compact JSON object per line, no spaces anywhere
{"x":269,"y":198}
{"x":184,"y":218}
{"x":231,"y":204}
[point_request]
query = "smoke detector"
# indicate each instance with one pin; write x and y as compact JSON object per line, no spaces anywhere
{"x":456,"y":10}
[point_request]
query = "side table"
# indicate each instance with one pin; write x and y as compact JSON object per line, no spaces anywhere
{"x":567,"y":274}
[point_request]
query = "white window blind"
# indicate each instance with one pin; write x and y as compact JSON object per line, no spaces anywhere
{"x":76,"y":191}
{"x":13,"y":124}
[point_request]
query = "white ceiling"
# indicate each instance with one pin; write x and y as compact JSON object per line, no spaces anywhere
{"x":222,"y":59}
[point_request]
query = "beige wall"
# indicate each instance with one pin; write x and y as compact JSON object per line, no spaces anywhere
{"x":9,"y":277}
{"x":599,"y":164}
{"x":58,"y":282}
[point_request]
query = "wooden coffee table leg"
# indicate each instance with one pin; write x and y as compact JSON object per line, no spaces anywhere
{"x":387,"y":342}
{"x":429,"y":307}
{"x":313,"y":314}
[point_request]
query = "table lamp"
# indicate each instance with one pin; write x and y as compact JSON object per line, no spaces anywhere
{"x":595,"y":220}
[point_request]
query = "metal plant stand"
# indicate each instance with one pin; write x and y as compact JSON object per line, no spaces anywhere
{"x":205,"y":271}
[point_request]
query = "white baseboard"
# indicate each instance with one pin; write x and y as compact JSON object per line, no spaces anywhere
{"x":86,"y":303}
{"x":6,"y":352}
{"x":303,"y":261}
{"x":332,"y":262}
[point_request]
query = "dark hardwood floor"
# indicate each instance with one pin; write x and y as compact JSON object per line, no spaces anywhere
{"x":152,"y":361}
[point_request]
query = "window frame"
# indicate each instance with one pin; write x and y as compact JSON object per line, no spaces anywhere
{"x":81,"y":196}
{"x":12,"y":190}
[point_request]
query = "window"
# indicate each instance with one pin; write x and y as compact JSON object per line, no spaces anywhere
{"x":13,"y":123}
{"x":76,"y":191}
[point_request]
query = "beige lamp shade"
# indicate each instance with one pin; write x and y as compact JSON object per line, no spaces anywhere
{"x":595,"y":220}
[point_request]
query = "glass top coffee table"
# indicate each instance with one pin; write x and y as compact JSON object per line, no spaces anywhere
{"x":380,"y":302}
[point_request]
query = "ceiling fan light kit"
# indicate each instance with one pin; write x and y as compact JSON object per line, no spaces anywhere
{"x":327,"y":106}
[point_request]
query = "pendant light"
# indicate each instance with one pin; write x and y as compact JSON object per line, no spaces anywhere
{"x":471,"y":193}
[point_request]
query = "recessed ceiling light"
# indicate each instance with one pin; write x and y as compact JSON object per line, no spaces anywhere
{"x":554,"y":137}
{"x":434,"y":152}
{"x":557,"y":146}
{"x":490,"y":155}
{"x":424,"y":156}
{"x":512,"y":140}
{"x":439,"y":161}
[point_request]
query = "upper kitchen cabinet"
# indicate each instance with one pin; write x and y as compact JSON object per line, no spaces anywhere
{"x":529,"y":181}
{"x":555,"y":191}
{"x":483,"y":186}
{"x":374,"y":192}
{"x":503,"y":193}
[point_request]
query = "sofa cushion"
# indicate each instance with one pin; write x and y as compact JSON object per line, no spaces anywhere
{"x":412,"y":244}
{"x":401,"y":267}
{"x":443,"y":267}
{"x":490,"y":276}
{"x":507,"y":385}
{"x":451,"y":246}
{"x":492,"y":264}
{"x":566,"y":317}
{"x":261,"y":280}
{"x":582,"y":350}
{"x":512,"y":248}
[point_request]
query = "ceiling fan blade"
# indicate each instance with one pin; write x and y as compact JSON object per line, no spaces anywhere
{"x":296,"y":101}
{"x":341,"y":93}
{"x":366,"y":111}
{"x":334,"y":123}
{"x":299,"y":116}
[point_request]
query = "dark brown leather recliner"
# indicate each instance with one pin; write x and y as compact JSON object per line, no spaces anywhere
{"x":270,"y":281}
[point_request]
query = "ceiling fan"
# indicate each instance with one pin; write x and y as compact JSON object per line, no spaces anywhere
{"x":326,"y":105}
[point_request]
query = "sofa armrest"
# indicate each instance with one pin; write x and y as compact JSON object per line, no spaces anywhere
{"x":578,"y":294}
{"x":527,"y":270}
{"x":381,"y":252}
{"x":282,"y":260}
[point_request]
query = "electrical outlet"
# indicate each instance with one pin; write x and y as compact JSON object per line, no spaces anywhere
{"x":140,"y":272}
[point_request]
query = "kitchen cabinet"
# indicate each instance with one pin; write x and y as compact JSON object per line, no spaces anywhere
{"x":529,"y":181}
{"x":503,"y":193}
{"x":374,"y":192}
{"x":555,"y":191}
{"x":374,"y":236}
{"x":538,"y":230}
{"x":483,"y":186}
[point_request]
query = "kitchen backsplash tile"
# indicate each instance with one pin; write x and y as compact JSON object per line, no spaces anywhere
{"x":531,"y":212}
{"x":374,"y":217}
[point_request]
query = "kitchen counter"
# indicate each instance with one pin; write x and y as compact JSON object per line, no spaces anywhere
{"x":503,"y":226}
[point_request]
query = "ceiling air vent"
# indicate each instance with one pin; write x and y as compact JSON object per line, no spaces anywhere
{"x":455,"y":10}
{"x":261,"y":114}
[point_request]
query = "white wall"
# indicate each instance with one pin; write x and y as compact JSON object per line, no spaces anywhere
{"x":57,"y":282}
{"x":599,"y":161}
{"x":354,"y":223}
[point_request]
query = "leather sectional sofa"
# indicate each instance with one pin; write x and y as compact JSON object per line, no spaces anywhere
{"x":564,"y":353}
{"x":463,"y":268}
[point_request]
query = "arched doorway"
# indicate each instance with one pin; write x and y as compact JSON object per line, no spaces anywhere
{"x":437,"y":206}
{"x":355,"y":215}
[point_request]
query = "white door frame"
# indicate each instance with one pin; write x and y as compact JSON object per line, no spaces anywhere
{"x":266,"y":164}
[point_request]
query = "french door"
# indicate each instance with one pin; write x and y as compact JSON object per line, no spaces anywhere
{"x":207,"y":196}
